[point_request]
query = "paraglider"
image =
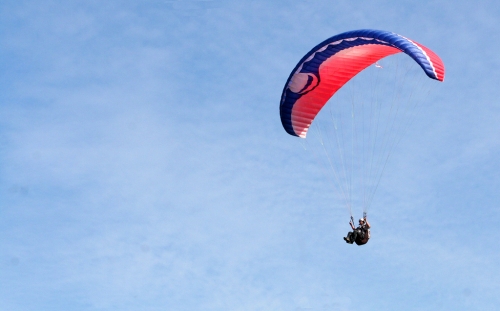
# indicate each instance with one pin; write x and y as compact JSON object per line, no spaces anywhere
{"x":359,"y":235}
{"x":323,"y":72}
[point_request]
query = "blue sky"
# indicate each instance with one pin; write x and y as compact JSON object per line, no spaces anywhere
{"x":143,"y":165}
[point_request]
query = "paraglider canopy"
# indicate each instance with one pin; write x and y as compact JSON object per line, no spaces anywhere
{"x":333,"y":62}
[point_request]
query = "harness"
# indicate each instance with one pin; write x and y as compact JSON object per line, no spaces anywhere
{"x":364,"y":235}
